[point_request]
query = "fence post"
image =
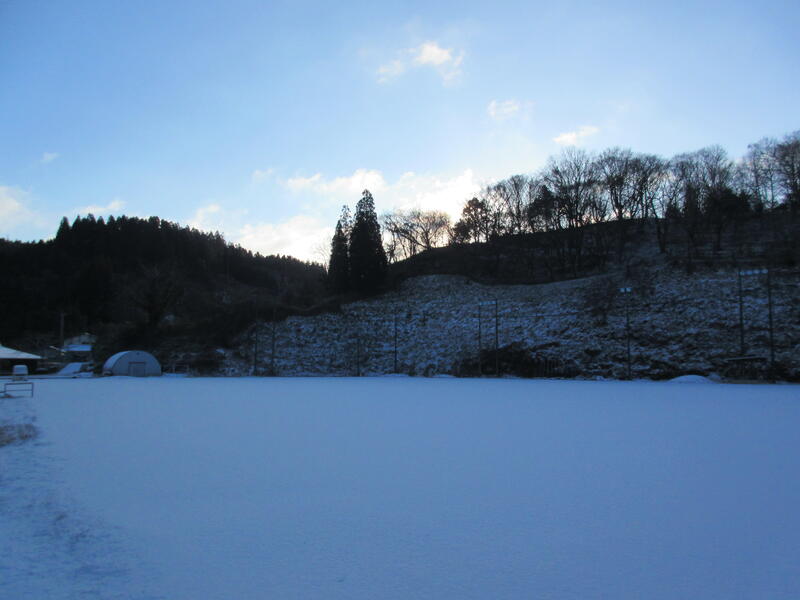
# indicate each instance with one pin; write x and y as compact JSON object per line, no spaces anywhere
{"x":771,"y":329}
{"x":358,"y":355}
{"x":480,"y":344}
{"x":626,"y":291}
{"x":496,"y":340}
{"x":395,"y":340}
{"x":741,"y":314}
{"x":272,"y":355}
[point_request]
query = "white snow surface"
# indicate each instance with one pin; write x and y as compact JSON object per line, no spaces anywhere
{"x":400,"y":488}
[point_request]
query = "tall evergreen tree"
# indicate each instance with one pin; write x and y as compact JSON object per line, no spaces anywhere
{"x":339,"y":264}
{"x":368,"y":262}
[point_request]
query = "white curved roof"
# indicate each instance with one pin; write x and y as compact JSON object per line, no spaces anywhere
{"x":11,"y":354}
{"x":112,"y":360}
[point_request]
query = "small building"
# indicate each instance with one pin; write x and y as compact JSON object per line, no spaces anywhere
{"x":134,"y":363}
{"x":10,"y":357}
{"x":78,"y":348}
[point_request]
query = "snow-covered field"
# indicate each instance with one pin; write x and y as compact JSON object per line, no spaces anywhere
{"x":401,"y":488}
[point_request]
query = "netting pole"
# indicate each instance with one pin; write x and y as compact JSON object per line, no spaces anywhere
{"x":272,"y":355}
{"x":480,"y":344}
{"x":628,"y":332}
{"x":496,"y":340}
{"x":358,"y":355}
{"x":771,"y":330}
{"x":395,"y":340}
{"x":741,"y":315}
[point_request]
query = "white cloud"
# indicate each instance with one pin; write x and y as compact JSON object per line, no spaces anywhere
{"x":12,"y":208}
{"x":208,"y":218}
{"x":49,"y":157}
{"x":428,"y":54}
{"x":391,"y":70}
{"x":300,"y":236}
{"x":434,"y":192}
{"x":502,"y":110}
{"x":17,"y":219}
{"x":353,"y":185}
{"x":96,"y":209}
{"x":262,"y":174}
{"x":573,"y":138}
{"x":411,"y":190}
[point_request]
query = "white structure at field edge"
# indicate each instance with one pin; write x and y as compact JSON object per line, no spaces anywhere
{"x":135,"y":363}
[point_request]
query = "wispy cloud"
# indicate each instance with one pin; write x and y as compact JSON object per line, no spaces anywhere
{"x":262,"y":174}
{"x":49,"y":157}
{"x":446,"y":62}
{"x":353,"y":185}
{"x":411,"y":190}
{"x":16,"y":216}
{"x":573,"y":138}
{"x":503,"y":110}
{"x":12,"y":207}
{"x":300,"y":236}
{"x":98,"y":209}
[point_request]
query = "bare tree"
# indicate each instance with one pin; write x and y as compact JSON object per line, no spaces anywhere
{"x":574,"y":177}
{"x":616,"y":175}
{"x":787,"y":162}
{"x":415,"y":230}
{"x":758,"y":173}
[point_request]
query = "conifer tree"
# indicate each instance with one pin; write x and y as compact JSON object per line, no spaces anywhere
{"x":339,"y":264}
{"x":368,"y":262}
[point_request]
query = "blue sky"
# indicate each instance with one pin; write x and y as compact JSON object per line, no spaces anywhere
{"x":260,"y":119}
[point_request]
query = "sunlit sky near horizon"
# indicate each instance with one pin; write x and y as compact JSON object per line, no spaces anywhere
{"x":260,"y":119}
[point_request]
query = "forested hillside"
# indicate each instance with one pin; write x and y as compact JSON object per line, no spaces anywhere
{"x":136,"y":279}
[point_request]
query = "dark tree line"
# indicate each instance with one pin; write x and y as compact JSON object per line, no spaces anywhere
{"x":358,"y":260}
{"x":579,"y":188}
{"x":97,"y":272}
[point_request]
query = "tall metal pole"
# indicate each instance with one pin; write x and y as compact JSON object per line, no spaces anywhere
{"x":255,"y":348}
{"x":480,"y":344}
{"x":626,"y":291}
{"x":395,"y":340}
{"x":496,"y":341}
{"x":628,"y":331}
{"x":741,"y":316}
{"x":358,"y":356}
{"x":61,"y":329}
{"x":771,"y":330}
{"x":256,"y":329}
{"x":272,"y":355}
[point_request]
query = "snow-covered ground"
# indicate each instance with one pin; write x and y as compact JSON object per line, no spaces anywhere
{"x":401,"y":488}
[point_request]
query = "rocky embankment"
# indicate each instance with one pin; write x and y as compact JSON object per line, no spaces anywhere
{"x":677,"y":323}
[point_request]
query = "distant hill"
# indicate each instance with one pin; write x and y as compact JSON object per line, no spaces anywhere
{"x":127,"y":278}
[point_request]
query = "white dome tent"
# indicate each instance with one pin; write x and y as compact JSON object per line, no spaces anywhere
{"x":135,"y":363}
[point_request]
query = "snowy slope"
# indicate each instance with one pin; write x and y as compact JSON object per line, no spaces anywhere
{"x":401,"y":488}
{"x":679,"y":324}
